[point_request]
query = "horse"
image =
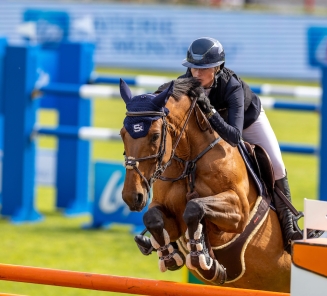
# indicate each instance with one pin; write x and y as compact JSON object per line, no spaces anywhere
{"x":204,"y":200}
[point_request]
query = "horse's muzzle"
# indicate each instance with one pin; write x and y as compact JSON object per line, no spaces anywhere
{"x":135,"y":200}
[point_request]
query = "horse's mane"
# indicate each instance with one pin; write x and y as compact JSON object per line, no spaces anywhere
{"x":183,"y":86}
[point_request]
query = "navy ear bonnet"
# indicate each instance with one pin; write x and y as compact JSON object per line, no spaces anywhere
{"x":138,"y":126}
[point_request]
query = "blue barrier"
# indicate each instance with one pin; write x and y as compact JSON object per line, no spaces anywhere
{"x":289,"y":105}
{"x":317,"y":46}
{"x":73,"y":158}
{"x":301,"y":149}
{"x":323,"y":138}
{"x":82,"y":133}
{"x":115,"y":80}
{"x":3,"y":44}
{"x":73,"y":161}
{"x":84,"y":91}
{"x":18,"y":175}
{"x":63,"y":89}
{"x":139,"y":81}
{"x":108,"y":207}
{"x":284,"y":90}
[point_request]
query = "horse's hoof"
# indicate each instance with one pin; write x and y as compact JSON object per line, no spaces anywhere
{"x":169,"y":257}
{"x":173,"y":261}
{"x":176,"y":267}
{"x":198,"y":260}
{"x":179,"y":259}
{"x":216,"y":274}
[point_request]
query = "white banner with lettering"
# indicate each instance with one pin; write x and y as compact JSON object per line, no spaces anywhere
{"x":157,"y":37}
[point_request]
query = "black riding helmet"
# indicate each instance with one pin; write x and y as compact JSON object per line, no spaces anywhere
{"x":205,"y":52}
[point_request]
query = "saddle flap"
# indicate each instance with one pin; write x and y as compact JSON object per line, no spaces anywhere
{"x":265,"y":166}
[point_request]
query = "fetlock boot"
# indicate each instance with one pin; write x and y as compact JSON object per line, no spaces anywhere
{"x":285,"y":216}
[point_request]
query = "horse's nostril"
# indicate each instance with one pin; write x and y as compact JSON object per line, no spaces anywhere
{"x":139,"y":198}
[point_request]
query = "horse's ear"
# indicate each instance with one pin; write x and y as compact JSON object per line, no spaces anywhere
{"x":125,"y":92}
{"x":162,"y":98}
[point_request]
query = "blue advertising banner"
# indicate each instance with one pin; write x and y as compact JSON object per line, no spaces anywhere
{"x":108,"y":206}
{"x":141,"y":36}
{"x":3,"y":43}
{"x":317,"y":39}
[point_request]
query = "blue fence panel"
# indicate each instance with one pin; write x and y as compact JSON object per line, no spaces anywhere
{"x":3,"y":44}
{"x":108,"y":206}
{"x":317,"y":43}
{"x":73,"y":163}
{"x":19,"y":148}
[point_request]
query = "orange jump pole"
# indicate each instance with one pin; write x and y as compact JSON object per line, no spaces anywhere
{"x":111,"y":283}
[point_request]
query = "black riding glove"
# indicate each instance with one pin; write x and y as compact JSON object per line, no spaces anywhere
{"x":204,"y":103}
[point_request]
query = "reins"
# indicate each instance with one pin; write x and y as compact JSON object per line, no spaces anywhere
{"x":190,"y":165}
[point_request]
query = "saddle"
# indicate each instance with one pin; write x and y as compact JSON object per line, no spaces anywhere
{"x":259,"y":166}
{"x":262,"y":165}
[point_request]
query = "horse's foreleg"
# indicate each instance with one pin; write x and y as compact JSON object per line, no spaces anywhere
{"x":224,"y":210}
{"x":199,"y":258}
{"x":169,"y":255}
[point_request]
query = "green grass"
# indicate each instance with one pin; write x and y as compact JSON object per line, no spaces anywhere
{"x":60,"y":242}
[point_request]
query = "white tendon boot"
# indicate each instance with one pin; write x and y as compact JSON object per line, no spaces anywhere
{"x":166,"y":252}
{"x":197,"y":249}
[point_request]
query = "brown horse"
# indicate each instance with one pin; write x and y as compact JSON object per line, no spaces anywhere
{"x":204,"y":198}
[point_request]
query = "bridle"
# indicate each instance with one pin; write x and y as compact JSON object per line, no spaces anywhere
{"x":132,"y":163}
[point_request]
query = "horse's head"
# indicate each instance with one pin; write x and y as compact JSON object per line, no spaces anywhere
{"x":145,"y":141}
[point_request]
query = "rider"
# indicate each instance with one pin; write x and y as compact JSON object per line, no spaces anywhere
{"x":240,"y":116}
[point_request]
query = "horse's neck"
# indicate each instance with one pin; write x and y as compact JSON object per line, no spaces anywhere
{"x":193,"y":140}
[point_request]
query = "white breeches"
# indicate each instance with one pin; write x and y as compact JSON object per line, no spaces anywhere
{"x":261,"y":133}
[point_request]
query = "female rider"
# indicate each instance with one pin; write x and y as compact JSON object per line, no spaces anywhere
{"x":240,"y":116}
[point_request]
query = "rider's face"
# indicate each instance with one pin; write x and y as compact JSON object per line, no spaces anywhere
{"x":206,"y":75}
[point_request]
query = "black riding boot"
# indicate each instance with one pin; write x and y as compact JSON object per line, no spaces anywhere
{"x":286,"y":217}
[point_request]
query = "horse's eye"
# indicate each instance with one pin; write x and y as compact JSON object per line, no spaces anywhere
{"x":155,"y":137}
